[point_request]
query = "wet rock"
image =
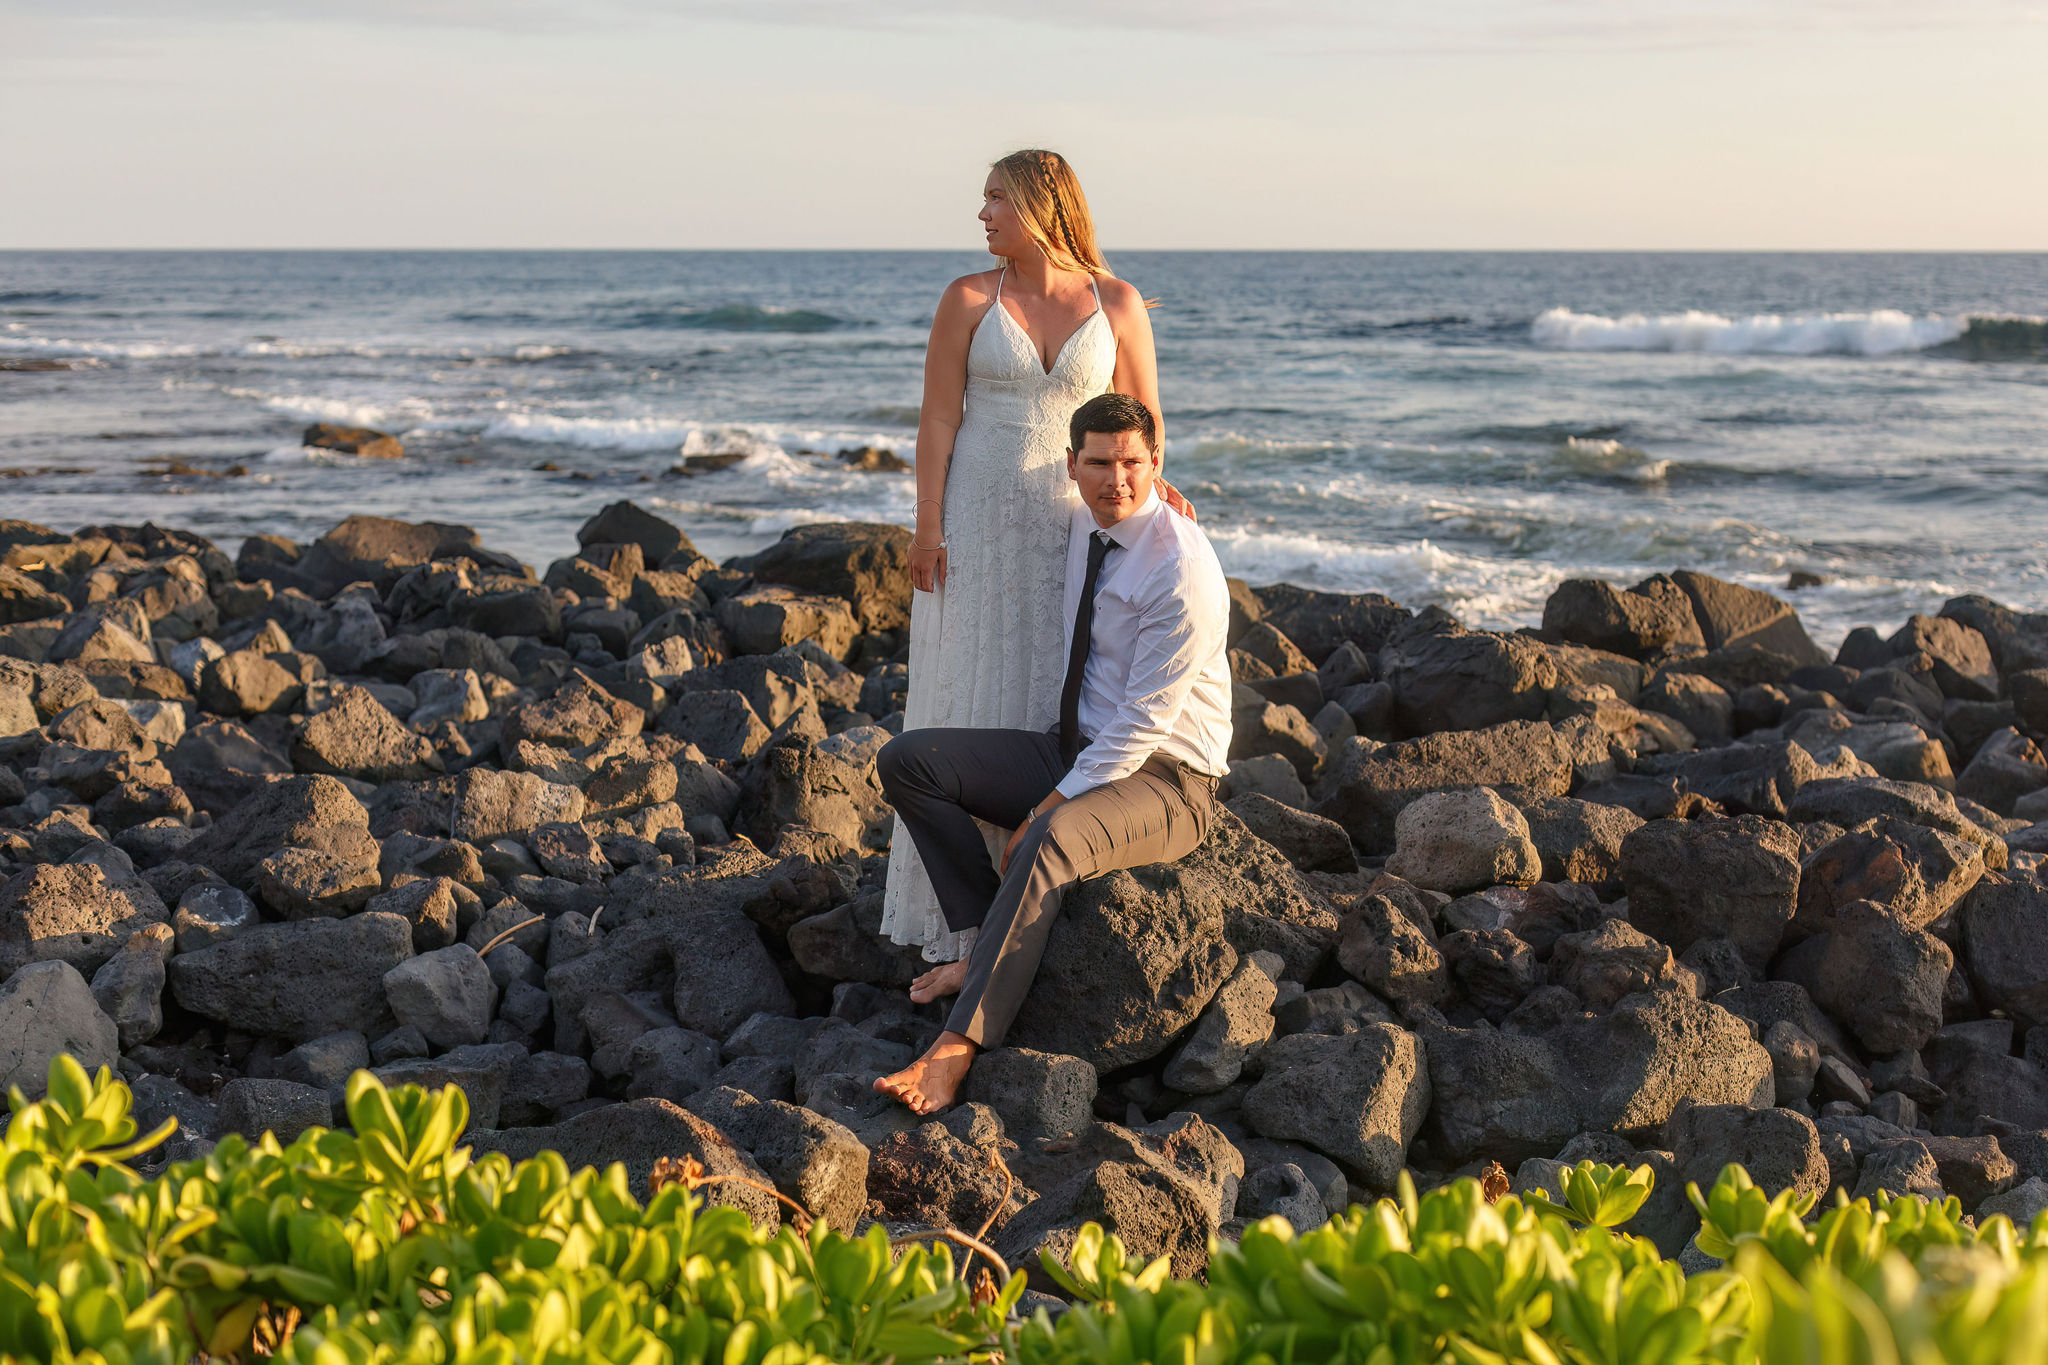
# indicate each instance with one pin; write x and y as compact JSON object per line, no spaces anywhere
{"x":47,"y":1008}
{"x":369,"y":444}
{"x":818,"y":1163}
{"x":1358,"y":1098}
{"x":1735,"y":879}
{"x":297,"y":981}
{"x":73,"y":913}
{"x":1367,"y":786}
{"x":1463,"y":840}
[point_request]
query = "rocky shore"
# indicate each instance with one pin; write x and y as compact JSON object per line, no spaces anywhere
{"x":1656,"y":881}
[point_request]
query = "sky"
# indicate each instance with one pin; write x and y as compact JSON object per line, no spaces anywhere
{"x":1313,"y":124}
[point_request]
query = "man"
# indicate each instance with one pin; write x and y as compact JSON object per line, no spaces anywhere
{"x":1127,"y":778}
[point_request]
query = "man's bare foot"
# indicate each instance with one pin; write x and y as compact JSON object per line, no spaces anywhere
{"x":942,"y":980}
{"x":933,"y":1081}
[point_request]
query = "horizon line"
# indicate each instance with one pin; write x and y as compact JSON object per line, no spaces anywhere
{"x":1160,"y":251}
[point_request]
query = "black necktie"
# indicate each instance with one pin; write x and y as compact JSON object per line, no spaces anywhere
{"x":1099,"y":546}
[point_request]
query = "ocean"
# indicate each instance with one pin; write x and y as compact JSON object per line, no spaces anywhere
{"x":1464,"y":429}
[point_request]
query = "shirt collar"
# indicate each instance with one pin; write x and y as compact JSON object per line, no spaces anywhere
{"x":1126,"y":532}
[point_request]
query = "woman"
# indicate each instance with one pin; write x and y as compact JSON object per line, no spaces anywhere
{"x":1013,"y":352}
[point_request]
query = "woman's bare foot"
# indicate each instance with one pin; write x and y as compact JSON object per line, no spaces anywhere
{"x":933,"y":1081}
{"x":942,"y":980}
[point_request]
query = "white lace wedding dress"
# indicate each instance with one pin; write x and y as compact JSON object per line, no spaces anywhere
{"x":988,"y":649}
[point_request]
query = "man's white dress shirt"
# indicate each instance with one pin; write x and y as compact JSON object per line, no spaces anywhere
{"x":1158,"y":674}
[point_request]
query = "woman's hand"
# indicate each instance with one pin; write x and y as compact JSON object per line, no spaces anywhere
{"x":1171,"y":496}
{"x":927,"y":567}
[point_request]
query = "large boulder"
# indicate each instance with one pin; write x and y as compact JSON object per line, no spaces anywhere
{"x":807,"y":786}
{"x":1850,"y":801}
{"x":1464,"y":840}
{"x":1454,"y":679}
{"x":816,"y":1162}
{"x":1631,"y":1068}
{"x":628,"y":523}
{"x":1735,"y":879}
{"x":1358,"y":1098}
{"x":1132,"y":959}
{"x":356,"y":737}
{"x":637,"y":1134}
{"x":1917,"y":872}
{"x":2005,"y":945}
{"x":378,"y":550}
{"x":1320,"y":622}
{"x":1877,"y":974}
{"x":1956,"y":656}
{"x":291,"y":813}
{"x":490,"y":805}
{"x":866,"y":563}
{"x":580,"y":715}
{"x":297,"y":981}
{"x":1163,"y":1191}
{"x":1780,"y":1148}
{"x":709,"y":962}
{"x":1496,"y":1095}
{"x":47,"y":1008}
{"x":1579,"y":841}
{"x":71,"y":912}
{"x":1366,"y":786}
{"x":1731,"y":616}
{"x":1653,"y":615}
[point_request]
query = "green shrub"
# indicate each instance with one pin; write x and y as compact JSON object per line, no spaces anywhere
{"x":389,"y":1246}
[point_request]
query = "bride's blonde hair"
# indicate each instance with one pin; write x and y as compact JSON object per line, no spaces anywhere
{"x":1047,"y":196}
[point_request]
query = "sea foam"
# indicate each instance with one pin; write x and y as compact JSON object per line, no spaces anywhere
{"x":1887,"y":331}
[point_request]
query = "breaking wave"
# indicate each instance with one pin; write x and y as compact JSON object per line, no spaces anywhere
{"x":1886,"y":331}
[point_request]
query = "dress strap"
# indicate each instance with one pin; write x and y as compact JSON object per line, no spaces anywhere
{"x":999,"y":282}
{"x":1098,"y":290}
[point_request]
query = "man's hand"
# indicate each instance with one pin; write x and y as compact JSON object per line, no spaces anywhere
{"x":1017,"y":838}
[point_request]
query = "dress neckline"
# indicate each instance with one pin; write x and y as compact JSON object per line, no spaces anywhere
{"x":1046,"y":370}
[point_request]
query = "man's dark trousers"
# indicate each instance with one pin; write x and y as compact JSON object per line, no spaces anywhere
{"x":942,"y":780}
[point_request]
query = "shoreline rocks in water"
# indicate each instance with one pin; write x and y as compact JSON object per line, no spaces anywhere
{"x":1658,"y":881}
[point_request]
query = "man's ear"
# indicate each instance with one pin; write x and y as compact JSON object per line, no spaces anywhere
{"x":1071,"y":472}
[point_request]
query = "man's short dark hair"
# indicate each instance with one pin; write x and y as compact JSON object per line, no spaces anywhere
{"x":1110,"y":413}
